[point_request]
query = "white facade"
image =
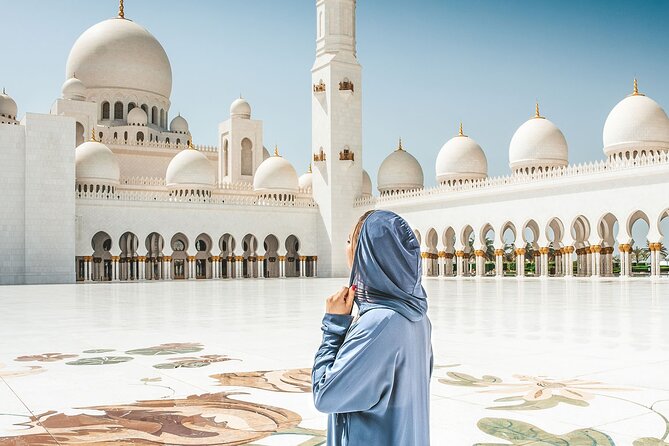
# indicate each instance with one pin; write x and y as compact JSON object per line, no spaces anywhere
{"x":136,"y":200}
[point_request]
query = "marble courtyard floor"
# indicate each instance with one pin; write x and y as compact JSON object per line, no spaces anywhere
{"x":533,"y":362}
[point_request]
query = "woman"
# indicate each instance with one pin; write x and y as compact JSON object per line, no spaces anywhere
{"x":372,"y":374}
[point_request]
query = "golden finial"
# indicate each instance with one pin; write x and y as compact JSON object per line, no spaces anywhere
{"x":93,"y":135}
{"x":399,"y":147}
{"x":309,"y":171}
{"x":461,"y":133}
{"x":536,"y":110}
{"x":121,"y":13}
{"x":636,"y":88}
{"x":276,"y":151}
{"x":190,"y":144}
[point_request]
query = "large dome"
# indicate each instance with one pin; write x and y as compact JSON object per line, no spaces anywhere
{"x":190,"y":168}
{"x":275,"y":174}
{"x":636,"y":122}
{"x":306,"y":180}
{"x":400,"y":171}
{"x":461,"y":158}
{"x":537,"y":143}
{"x":8,"y":108}
{"x":240,"y":108}
{"x":95,"y":163}
{"x":118,"y":53}
{"x":366,"y":184}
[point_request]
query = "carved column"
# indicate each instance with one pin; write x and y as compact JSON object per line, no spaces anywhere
{"x":239,"y":267}
{"x":543,"y":253}
{"x":441,"y":263}
{"x":625,"y":260}
{"x":480,"y":262}
{"x":655,"y":258}
{"x":520,"y":262}
{"x":229,"y":273}
{"x":568,"y":262}
{"x":499,"y":262}
{"x":459,"y":265}
{"x":282,"y":266}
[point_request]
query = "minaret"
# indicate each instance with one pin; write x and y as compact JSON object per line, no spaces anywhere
{"x":336,"y":131}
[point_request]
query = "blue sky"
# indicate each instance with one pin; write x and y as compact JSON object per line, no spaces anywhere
{"x":427,"y":65}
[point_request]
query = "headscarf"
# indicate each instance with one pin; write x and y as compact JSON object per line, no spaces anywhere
{"x":387,"y":267}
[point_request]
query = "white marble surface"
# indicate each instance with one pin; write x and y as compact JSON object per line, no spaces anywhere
{"x":612,"y":332}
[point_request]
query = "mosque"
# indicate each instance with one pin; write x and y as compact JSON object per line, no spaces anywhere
{"x":110,"y":186}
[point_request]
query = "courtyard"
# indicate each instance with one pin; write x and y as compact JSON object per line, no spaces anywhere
{"x":517,"y":362}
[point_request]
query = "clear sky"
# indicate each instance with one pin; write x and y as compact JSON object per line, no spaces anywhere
{"x":427,"y":65}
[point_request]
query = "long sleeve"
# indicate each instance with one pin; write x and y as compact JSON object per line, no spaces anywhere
{"x":352,"y":370}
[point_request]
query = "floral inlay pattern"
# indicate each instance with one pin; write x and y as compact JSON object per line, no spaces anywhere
{"x":168,"y":349}
{"x":193,"y":362}
{"x":208,"y":419}
{"x":292,"y":380}
{"x":521,"y":433}
{"x":45,"y":357}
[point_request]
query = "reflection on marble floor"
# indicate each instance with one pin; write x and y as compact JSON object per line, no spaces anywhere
{"x":532,"y":362}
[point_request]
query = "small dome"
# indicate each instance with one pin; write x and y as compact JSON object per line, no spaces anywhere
{"x":179,"y":125}
{"x":538,"y":143}
{"x":366,"y":184}
{"x":120,"y":54}
{"x":636,"y":122}
{"x":74,"y":89}
{"x":400,"y":171}
{"x":137,"y":116}
{"x":8,"y":108}
{"x":240,"y":108}
{"x":461,"y":158}
{"x":192,"y":168}
{"x":95,"y":163}
{"x":276,"y":174}
{"x":306,"y":180}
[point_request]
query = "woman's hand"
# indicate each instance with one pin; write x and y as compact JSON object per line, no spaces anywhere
{"x":340,"y":302}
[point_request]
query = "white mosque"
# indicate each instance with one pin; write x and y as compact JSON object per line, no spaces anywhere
{"x":109,"y":186}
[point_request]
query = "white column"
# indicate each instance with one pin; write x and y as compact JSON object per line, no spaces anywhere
{"x":261,"y":266}
{"x":315,"y":260}
{"x":480,"y":262}
{"x":239,"y":267}
{"x":544,"y":261}
{"x":87,"y":269}
{"x":568,"y":262}
{"x":520,"y":262}
{"x":499,"y":262}
{"x":282,"y":266}
{"x":655,"y":258}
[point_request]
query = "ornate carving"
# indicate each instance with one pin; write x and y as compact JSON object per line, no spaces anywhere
{"x":319,"y":87}
{"x":346,"y":154}
{"x":346,"y":85}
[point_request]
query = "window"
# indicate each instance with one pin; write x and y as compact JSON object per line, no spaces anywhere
{"x":105,"y":110}
{"x":118,"y":110}
{"x":247,"y":157}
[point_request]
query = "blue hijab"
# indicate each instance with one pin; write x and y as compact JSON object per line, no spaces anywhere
{"x":387,"y":267}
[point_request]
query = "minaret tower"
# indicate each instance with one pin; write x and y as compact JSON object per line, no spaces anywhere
{"x":336,"y":131}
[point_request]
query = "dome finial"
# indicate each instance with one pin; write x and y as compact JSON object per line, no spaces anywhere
{"x":93,"y":135}
{"x":399,"y":147}
{"x":461,"y":133}
{"x":3,"y":90}
{"x":309,"y":171}
{"x":636,"y":88}
{"x":276,"y":150}
{"x":190,"y":144}
{"x":121,"y":13}
{"x":536,"y":110}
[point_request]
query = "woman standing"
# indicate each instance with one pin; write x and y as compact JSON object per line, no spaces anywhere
{"x":372,"y":374}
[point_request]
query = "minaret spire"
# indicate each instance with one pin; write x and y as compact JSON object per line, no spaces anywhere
{"x":636,"y":88}
{"x":461,"y":133}
{"x":399,"y":147}
{"x":121,"y":13}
